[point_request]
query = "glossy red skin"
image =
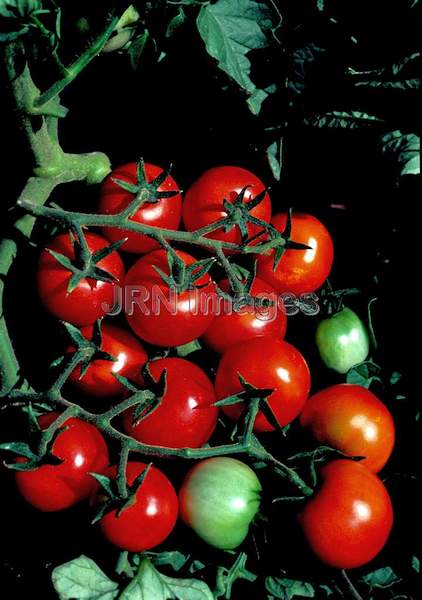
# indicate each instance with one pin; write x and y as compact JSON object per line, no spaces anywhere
{"x":99,"y":380}
{"x":167,"y":327}
{"x":56,"y":487}
{"x":151,"y":519}
{"x":185,"y":417}
{"x":299,"y":271}
{"x":84,"y":305}
{"x":166,"y":213}
{"x":352,"y":419}
{"x":229,"y":327}
{"x":265,"y":362}
{"x":203,"y":202}
{"x":349,"y":519}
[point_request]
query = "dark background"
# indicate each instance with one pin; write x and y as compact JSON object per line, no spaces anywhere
{"x":178,"y":111}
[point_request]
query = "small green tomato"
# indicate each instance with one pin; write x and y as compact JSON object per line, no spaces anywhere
{"x":342,"y":341}
{"x":219,"y":498}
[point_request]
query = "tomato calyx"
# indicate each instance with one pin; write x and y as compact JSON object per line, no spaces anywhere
{"x":89,"y":350}
{"x":144,"y":192}
{"x":118,"y":494}
{"x":148,"y":398}
{"x":84,"y":265}
{"x":238,"y":213}
{"x":242,"y":287}
{"x":183,"y":277}
{"x":254,"y":399}
{"x":278,"y":241}
{"x":38,"y":450}
{"x":332,"y":301}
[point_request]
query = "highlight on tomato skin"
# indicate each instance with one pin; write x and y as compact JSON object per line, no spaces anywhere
{"x":165,"y":212}
{"x":270,"y":363}
{"x":203,"y":201}
{"x":352,"y":419}
{"x":83,"y":450}
{"x":231,"y":327}
{"x":186,"y":417}
{"x":150,"y":519}
{"x":299,"y":271}
{"x":348,"y":520}
{"x":87,"y":302}
{"x":99,"y":380}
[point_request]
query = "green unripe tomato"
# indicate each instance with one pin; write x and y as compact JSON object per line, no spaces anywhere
{"x":342,"y":341}
{"x":219,"y":498}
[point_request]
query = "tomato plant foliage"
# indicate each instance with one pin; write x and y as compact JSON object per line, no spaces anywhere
{"x":316,"y":104}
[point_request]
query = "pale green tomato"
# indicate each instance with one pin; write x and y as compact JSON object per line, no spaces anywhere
{"x":342,"y":341}
{"x":219,"y":498}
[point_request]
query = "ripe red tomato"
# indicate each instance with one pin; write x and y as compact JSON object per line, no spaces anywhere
{"x":299,"y":271}
{"x":150,"y":519}
{"x":265,"y":362}
{"x":99,"y":379}
{"x":349,"y":519}
{"x":185,"y":417}
{"x":230,"y":327}
{"x":159,"y":314}
{"x":165,"y":213}
{"x":203,"y":203}
{"x":352,"y":419}
{"x":56,"y":487}
{"x":89,"y":300}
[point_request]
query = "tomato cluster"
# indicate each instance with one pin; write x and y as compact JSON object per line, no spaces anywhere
{"x":348,"y":518}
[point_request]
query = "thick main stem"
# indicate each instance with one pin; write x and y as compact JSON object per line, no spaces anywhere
{"x":39,"y":189}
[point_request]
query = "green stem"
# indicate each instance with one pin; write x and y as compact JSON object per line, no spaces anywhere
{"x":350,"y":587}
{"x":46,"y":33}
{"x":94,"y":220}
{"x":121,"y":472}
{"x":247,"y":445}
{"x":39,"y":189}
{"x":73,"y":70}
{"x":236,"y":285}
{"x":48,"y":434}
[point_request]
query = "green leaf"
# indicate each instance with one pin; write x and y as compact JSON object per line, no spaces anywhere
{"x":416,"y":564}
{"x":275,"y":157}
{"x":404,"y":149}
{"x":395,"y":377}
{"x":231,"y":29}
{"x":381,"y":578}
{"x":82,"y":579}
{"x":173,"y":558}
{"x":137,"y":47}
{"x":404,"y":84}
{"x":123,"y":565}
{"x":227,"y":577}
{"x":19,"y":8}
{"x":196,"y":565}
{"x":150,"y":584}
{"x":346,"y":120}
{"x":176,"y":22}
{"x":301,"y":60}
{"x":364,"y":374}
{"x":286,"y":589}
